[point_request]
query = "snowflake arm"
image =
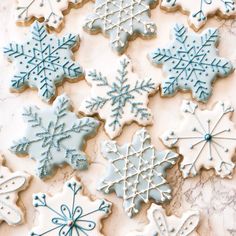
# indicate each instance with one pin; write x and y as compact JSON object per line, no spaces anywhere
{"x":49,"y":10}
{"x":43,"y":61}
{"x":137,"y":172}
{"x":120,"y":20}
{"x":205,"y":139}
{"x":55,"y":136}
{"x":191,"y":63}
{"x":70,"y":212}
{"x":119,"y":100}
{"x":199,"y":11}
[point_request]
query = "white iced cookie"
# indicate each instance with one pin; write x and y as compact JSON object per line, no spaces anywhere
{"x":198,"y":10}
{"x":50,"y":10}
{"x":205,"y":138}
{"x":10,"y":185}
{"x":69,"y":213}
{"x":162,"y":225}
{"x":120,"y":99}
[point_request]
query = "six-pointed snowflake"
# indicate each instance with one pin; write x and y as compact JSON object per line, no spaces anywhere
{"x":43,"y":61}
{"x":191,"y":63}
{"x":137,"y":171}
{"x":49,"y":10}
{"x":69,"y":213}
{"x":205,"y":139}
{"x":55,"y":136}
{"x":163,"y":225}
{"x":119,"y":100}
{"x":121,"y":20}
{"x":199,"y":11}
{"x":10,"y":185}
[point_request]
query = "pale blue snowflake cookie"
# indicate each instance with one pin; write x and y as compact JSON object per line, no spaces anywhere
{"x":69,"y":213}
{"x":121,"y":20}
{"x":191,"y":62}
{"x":137,"y":171}
{"x":55,"y":136}
{"x":43,"y":62}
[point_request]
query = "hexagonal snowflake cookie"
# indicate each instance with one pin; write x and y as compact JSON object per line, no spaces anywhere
{"x":10,"y":185}
{"x":43,"y":61}
{"x":69,"y":213}
{"x":205,"y":138}
{"x":191,"y":62}
{"x":55,"y":136}
{"x":50,"y":10}
{"x":137,"y":172}
{"x":120,"y":99}
{"x":121,"y":20}
{"x":163,"y":225}
{"x":198,"y":10}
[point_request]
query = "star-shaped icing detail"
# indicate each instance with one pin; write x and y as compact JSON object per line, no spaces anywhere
{"x":69,"y":213}
{"x":163,"y":225}
{"x":191,"y":62}
{"x":55,"y":136}
{"x":121,"y":20}
{"x":205,"y":139}
{"x":120,"y":99}
{"x":199,"y":11}
{"x":10,"y":185}
{"x":43,"y":61}
{"x":137,"y":171}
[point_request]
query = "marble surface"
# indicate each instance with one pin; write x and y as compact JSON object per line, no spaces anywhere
{"x":214,"y":197}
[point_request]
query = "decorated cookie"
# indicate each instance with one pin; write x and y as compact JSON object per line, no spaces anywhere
{"x":55,"y":136}
{"x":120,"y":99}
{"x":10,"y":185}
{"x":205,"y":139}
{"x":191,"y":62}
{"x":137,"y":171}
{"x":121,"y":20}
{"x":43,"y":61}
{"x":69,"y":213}
{"x":163,"y":225}
{"x":198,"y":10}
{"x":49,"y":10}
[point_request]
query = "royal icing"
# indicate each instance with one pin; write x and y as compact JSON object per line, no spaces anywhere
{"x":163,"y":225}
{"x":205,"y":139}
{"x":200,"y":9}
{"x":10,"y":185}
{"x":120,"y":99}
{"x":55,"y":136}
{"x":43,"y":61}
{"x":121,"y":20}
{"x":137,"y":171}
{"x":49,"y":10}
{"x":191,"y":62}
{"x":69,"y":213}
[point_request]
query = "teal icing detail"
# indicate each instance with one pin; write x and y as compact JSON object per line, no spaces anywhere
{"x":191,"y":63}
{"x":43,"y":61}
{"x":55,"y":136}
{"x":121,"y":20}
{"x":137,"y":172}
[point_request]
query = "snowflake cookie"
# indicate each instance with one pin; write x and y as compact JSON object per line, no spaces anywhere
{"x":69,"y":213}
{"x":122,"y":20}
{"x":191,"y":62}
{"x":137,"y":171}
{"x":120,"y":99}
{"x":49,"y":10}
{"x":199,"y":9}
{"x":205,"y":139}
{"x":10,"y":185}
{"x":43,"y":61}
{"x":163,"y":225}
{"x":55,"y":136}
